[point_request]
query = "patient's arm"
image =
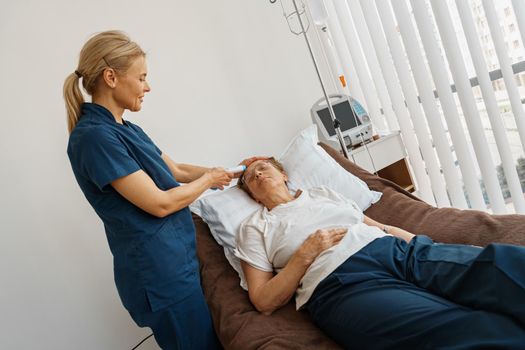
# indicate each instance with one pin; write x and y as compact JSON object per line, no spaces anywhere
{"x":394,"y":231}
{"x":269,"y":292}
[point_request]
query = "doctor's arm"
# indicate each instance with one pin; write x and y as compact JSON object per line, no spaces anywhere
{"x":184,"y":173}
{"x":269,"y":292}
{"x":394,"y":231}
{"x":141,"y":190}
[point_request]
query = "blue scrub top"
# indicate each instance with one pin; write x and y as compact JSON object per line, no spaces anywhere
{"x":155,"y":263}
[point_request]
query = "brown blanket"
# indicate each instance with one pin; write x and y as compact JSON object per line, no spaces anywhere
{"x":240,"y":326}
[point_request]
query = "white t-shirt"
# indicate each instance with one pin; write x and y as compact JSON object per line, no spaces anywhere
{"x":268,"y":239}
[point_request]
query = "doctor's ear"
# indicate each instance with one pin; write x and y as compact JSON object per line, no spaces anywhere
{"x":110,"y":77}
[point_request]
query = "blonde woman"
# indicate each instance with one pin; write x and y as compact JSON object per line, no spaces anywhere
{"x":134,"y":188}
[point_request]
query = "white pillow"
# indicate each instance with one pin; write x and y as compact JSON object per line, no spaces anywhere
{"x":307,"y":166}
{"x":224,"y":212}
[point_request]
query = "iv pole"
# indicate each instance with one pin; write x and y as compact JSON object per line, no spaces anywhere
{"x":336,"y":123}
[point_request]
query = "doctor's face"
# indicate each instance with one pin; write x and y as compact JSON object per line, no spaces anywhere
{"x":132,"y":86}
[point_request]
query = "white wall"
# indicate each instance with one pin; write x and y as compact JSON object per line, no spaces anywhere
{"x":228,"y":67}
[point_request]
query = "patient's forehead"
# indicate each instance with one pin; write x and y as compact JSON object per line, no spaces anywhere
{"x":254,"y":164}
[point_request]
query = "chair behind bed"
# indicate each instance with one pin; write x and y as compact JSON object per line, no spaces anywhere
{"x":240,"y":326}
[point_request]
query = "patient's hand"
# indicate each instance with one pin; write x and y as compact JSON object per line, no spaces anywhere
{"x":319,"y":241}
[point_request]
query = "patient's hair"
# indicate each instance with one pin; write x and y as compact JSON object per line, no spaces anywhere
{"x":109,"y":49}
{"x":276,"y":164}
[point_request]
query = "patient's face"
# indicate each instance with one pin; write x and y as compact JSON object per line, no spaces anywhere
{"x":262,"y":177}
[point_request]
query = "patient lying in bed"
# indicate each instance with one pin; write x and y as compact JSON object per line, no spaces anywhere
{"x":372,"y":286}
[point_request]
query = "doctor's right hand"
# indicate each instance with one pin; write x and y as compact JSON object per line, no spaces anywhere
{"x":319,"y":241}
{"x":218,"y":178}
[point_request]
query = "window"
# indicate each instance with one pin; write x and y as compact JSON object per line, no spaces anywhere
{"x":507,"y":11}
{"x":511,"y":27}
{"x":481,"y":22}
{"x":516,"y":44}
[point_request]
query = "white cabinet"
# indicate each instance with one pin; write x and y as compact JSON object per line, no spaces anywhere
{"x":384,"y":151}
{"x":386,"y":155}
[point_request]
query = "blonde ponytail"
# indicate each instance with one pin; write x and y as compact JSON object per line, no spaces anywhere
{"x":74,"y":99}
{"x":110,"y":49}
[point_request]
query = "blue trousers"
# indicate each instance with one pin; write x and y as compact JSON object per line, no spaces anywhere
{"x":425,"y":295}
{"x":186,"y":325}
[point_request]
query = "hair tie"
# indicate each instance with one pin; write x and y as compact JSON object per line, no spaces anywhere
{"x":79,"y":75}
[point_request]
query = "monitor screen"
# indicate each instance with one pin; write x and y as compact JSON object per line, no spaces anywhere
{"x":343,"y":112}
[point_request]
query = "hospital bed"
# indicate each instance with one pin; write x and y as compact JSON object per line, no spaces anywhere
{"x":240,"y":326}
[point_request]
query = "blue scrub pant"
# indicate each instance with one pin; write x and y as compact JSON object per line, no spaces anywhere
{"x":185,"y":325}
{"x":425,"y":295}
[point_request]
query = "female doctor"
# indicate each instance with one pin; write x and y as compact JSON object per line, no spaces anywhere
{"x":134,"y":188}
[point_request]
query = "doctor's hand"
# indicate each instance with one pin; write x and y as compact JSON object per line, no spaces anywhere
{"x":319,"y":241}
{"x":218,"y":178}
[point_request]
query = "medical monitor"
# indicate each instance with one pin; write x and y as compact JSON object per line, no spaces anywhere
{"x":355,"y":123}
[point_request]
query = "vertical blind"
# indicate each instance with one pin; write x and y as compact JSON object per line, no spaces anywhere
{"x":414,"y":64}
